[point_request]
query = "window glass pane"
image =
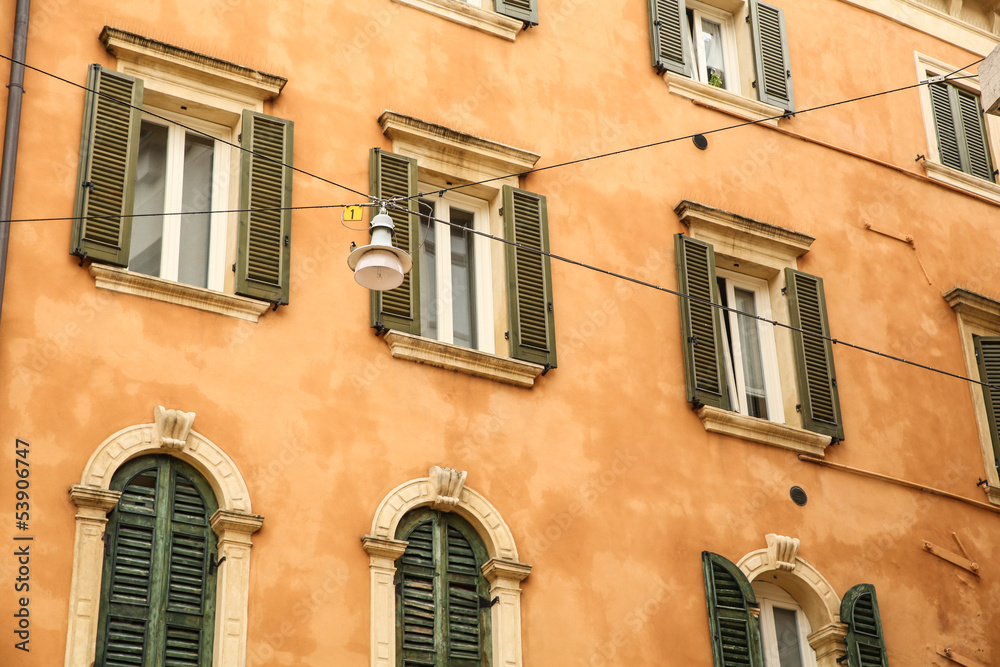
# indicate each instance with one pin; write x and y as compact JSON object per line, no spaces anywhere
{"x":753,"y":364}
{"x":150,"y":192}
{"x":787,"y":632}
{"x":196,"y":223}
{"x":462,"y":279}
{"x":428,"y":274}
{"x":711,"y":36}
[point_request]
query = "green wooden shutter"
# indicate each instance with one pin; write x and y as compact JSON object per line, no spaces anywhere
{"x":522,"y":10}
{"x":441,"y":620}
{"x":865,"y":643}
{"x":417,"y":598}
{"x":701,"y":324}
{"x":974,"y":132}
{"x":988,"y":358}
{"x":529,"y":278}
{"x":818,"y":395}
{"x":734,"y":628}
{"x":945,"y":125}
{"x":770,"y":47}
{"x":263,"y":247}
{"x":157,"y":602}
{"x":668,"y":32}
{"x":109,"y":151}
{"x":395,"y":175}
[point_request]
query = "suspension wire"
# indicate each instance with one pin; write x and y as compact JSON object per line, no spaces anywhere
{"x":695,"y":299}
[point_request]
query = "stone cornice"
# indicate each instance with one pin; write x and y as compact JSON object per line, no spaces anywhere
{"x":741,"y":230}
{"x":457,"y":358}
{"x":131,"y":47}
{"x":383,"y":547}
{"x":90,"y":497}
{"x":236,"y":522}
{"x":497,"y":568}
{"x":975,"y":307}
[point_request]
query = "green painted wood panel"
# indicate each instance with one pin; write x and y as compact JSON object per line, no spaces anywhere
{"x":865,"y":642}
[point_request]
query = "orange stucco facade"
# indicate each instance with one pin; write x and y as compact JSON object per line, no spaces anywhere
{"x":610,"y":484}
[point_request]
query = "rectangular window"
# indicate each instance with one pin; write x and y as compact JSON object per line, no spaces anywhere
{"x":456,"y":298}
{"x":962,"y":139}
{"x":181,"y":171}
{"x":752,"y":360}
{"x":713,"y":46}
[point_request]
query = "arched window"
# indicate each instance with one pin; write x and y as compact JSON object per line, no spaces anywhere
{"x":158,"y":582}
{"x":784,"y":628}
{"x":441,"y":593}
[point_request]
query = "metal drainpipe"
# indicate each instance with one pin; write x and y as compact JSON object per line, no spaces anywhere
{"x":11,"y":131}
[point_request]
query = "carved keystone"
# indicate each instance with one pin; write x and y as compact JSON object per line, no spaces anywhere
{"x":446,"y":487}
{"x":782,"y":550}
{"x":171,"y":427}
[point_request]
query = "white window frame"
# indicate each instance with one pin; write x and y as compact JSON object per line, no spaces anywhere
{"x":730,"y":55}
{"x":771,"y":597}
{"x":768,"y":349}
{"x":170,"y":254}
{"x":483,"y":276}
{"x":926,"y":67}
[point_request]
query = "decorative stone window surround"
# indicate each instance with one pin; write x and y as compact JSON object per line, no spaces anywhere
{"x":233,"y":523}
{"x":764,"y":251}
{"x":444,"y":489}
{"x":447,"y":157}
{"x":980,"y":316}
{"x":209,"y":89}
{"x":932,"y":165}
{"x":465,"y":14}
{"x":779,"y":563}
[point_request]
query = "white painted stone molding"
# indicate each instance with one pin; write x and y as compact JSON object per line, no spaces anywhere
{"x":233,"y":524}
{"x":446,"y":485}
{"x":171,"y":427}
{"x":444,"y":489}
{"x":782,"y":550}
{"x":780,"y":564}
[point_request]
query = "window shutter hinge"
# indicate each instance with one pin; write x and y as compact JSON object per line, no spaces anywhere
{"x":486,"y":603}
{"x":833,"y":381}
{"x":234,"y":267}
{"x":89,"y":185}
{"x":501,"y":210}
{"x":693,"y":340}
{"x":754,"y":84}
{"x":288,"y":239}
{"x":550,"y":306}
{"x":506,"y":335}
{"x":747,"y":18}
{"x":798,"y":407}
{"x":239,"y":137}
{"x":213,"y":565}
{"x":784,"y":290}
{"x":841,"y":659}
{"x":982,"y":482}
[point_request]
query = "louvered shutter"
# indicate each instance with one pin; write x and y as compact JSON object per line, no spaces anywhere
{"x":417,"y":598}
{"x":770,"y":47}
{"x":988,"y":358}
{"x":441,"y":621}
{"x":945,"y":125}
{"x":463,"y":634}
{"x":701,"y":324}
{"x":733,"y":626}
{"x":522,"y":10}
{"x":974,"y":132}
{"x":395,"y":175}
{"x":263,"y":246}
{"x":158,"y":602}
{"x":865,"y":643}
{"x":818,"y":393}
{"x":668,"y":32}
{"x":529,"y":278}
{"x":109,"y":151}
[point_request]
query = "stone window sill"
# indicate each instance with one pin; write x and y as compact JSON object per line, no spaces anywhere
{"x":127,"y":282}
{"x":962,"y":180}
{"x":765,"y":432}
{"x":462,"y":359}
{"x":467,"y":15}
{"x":725,"y":101}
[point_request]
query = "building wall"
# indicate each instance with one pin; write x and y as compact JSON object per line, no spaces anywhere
{"x":609,"y":482}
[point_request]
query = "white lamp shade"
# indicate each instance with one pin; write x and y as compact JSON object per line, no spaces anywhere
{"x":379,"y":270}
